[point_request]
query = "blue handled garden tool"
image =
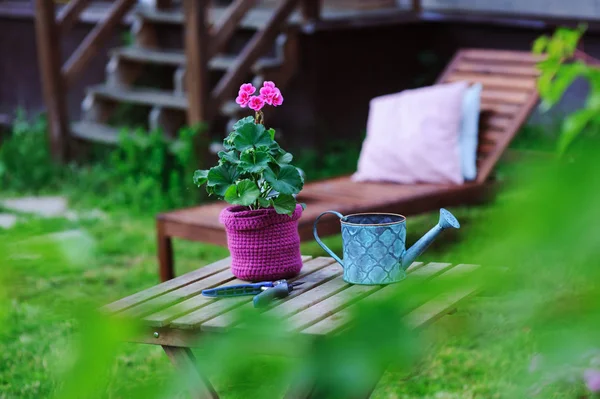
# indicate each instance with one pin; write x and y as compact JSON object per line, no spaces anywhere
{"x":264,"y":292}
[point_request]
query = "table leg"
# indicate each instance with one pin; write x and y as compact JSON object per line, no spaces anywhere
{"x":165,"y":253}
{"x":184,"y":361}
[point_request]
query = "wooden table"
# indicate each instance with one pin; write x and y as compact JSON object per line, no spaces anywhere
{"x":175,"y":315}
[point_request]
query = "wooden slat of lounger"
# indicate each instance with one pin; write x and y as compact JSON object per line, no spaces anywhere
{"x":176,"y":296}
{"x":498,"y":123}
{"x":343,"y":317}
{"x":499,"y":109}
{"x":495,"y":82}
{"x":228,"y":320}
{"x":168,"y":286}
{"x":211,"y":310}
{"x":496,"y":69}
{"x":367,"y":192}
{"x":501,"y":56}
{"x":505,"y":97}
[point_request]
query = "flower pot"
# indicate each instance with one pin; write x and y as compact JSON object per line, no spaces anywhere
{"x":264,"y":245}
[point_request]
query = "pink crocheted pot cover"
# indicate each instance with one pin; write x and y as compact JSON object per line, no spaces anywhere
{"x":264,"y":245}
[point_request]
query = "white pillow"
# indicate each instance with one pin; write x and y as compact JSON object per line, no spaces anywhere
{"x":413,"y":136}
{"x":469,"y":131}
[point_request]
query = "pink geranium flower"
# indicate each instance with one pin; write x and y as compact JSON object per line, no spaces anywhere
{"x":256,"y":103}
{"x":277,"y":98}
{"x":270,"y":84}
{"x":247,"y":88}
{"x":242,"y":99}
{"x":592,"y":379}
{"x":267,"y":93}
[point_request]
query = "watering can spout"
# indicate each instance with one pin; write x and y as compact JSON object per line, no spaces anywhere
{"x":447,"y":220}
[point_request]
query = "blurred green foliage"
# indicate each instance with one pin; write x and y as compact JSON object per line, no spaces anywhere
{"x":527,"y":335}
{"x":145,"y":172}
{"x":558,"y":72}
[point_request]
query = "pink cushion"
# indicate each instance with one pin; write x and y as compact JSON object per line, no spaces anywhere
{"x":412,"y":137}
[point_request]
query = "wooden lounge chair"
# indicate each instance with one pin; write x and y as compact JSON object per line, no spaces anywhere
{"x":508,"y":97}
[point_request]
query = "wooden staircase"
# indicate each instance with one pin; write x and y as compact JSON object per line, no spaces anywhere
{"x":165,"y":85}
{"x":161,"y":99}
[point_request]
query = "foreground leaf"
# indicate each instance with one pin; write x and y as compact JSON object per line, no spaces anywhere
{"x":221,"y":177}
{"x":251,"y":135}
{"x":284,"y":157}
{"x":264,"y":202}
{"x":284,"y":204}
{"x":286,"y":181}
{"x":254,"y":161}
{"x":242,"y":122}
{"x":200,"y":177}
{"x":230,"y":156}
{"x":573,"y":126}
{"x":244,"y":193}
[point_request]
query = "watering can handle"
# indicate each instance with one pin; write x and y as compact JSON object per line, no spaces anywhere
{"x":325,"y":247}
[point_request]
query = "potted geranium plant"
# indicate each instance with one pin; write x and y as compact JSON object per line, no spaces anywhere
{"x":255,"y":176}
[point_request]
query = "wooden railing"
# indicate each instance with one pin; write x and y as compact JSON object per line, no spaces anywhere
{"x":200,"y":46}
{"x":57,"y":78}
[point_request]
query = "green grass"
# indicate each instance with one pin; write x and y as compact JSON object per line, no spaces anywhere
{"x":41,"y":318}
{"x":39,"y":325}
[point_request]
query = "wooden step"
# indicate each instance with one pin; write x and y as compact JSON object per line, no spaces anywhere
{"x":148,"y":56}
{"x":255,"y":19}
{"x":221,"y":62}
{"x":95,"y":132}
{"x":142,"y":96}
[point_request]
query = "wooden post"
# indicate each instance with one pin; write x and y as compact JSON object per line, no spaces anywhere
{"x":417,"y":6}
{"x":311,"y":10}
{"x":49,"y":59}
{"x":196,"y":53}
{"x":197,"y":57}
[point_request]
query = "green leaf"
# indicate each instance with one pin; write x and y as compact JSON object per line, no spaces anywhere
{"x":539,"y":46}
{"x":271,"y":132}
{"x":264,"y":202}
{"x":303,"y":205}
{"x":242,"y":122}
{"x":284,"y":157}
{"x":254,"y":161}
{"x":200,"y":177}
{"x":251,"y":135}
{"x":286,"y":181}
{"x":551,"y":92}
{"x":284,"y":204}
{"x":573,"y":126}
{"x":232,"y":156}
{"x":244,"y":193}
{"x":221,"y":177}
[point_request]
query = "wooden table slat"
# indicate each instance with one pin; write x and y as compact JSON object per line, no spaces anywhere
{"x":168,"y":286}
{"x":196,"y":318}
{"x":176,"y":296}
{"x":315,"y":280}
{"x":322,"y":305}
{"x":437,"y":307}
{"x":340,"y":319}
{"x":164,"y":316}
{"x":331,"y":305}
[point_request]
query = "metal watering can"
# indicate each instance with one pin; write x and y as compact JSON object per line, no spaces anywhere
{"x":374,"y":245}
